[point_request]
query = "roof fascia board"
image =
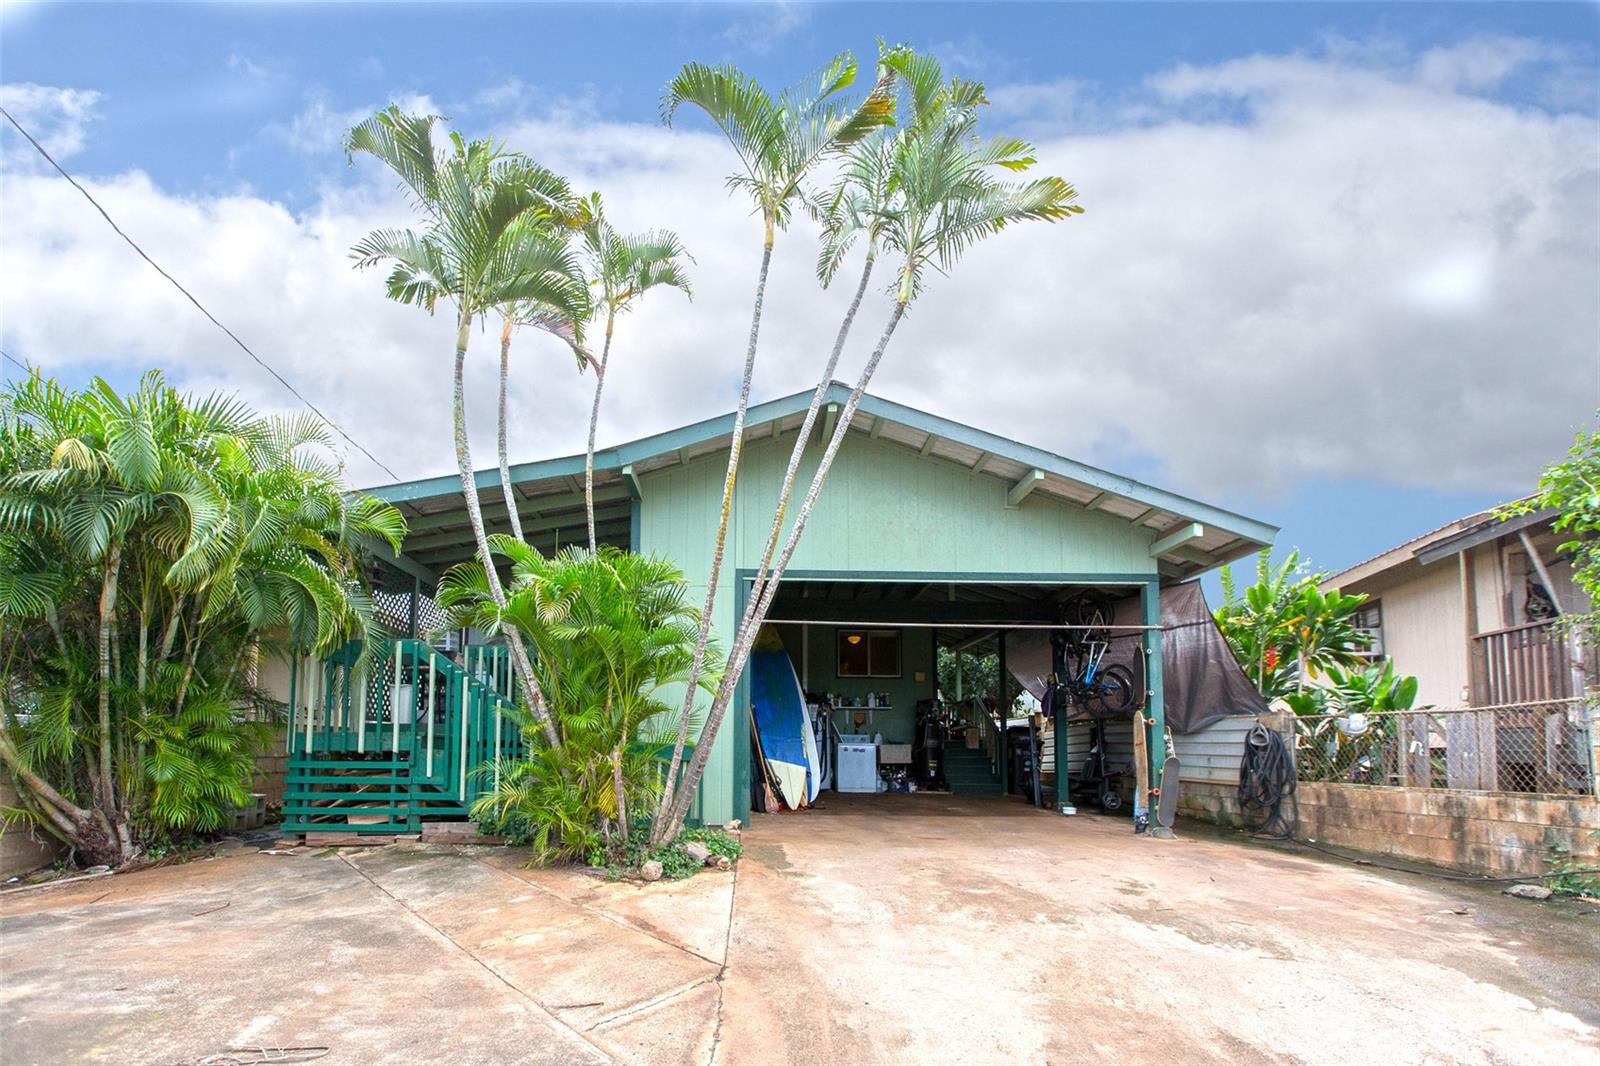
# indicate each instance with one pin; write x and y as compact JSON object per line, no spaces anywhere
{"x":1492,"y":530}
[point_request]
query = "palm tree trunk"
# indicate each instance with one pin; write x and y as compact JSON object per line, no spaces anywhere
{"x":797,"y":453}
{"x":469,"y":492}
{"x":735,"y":447}
{"x":740,"y":654}
{"x":505,"y":464}
{"x":108,"y":614}
{"x":594,"y":420}
{"x":622,"y":803}
{"x":171,"y":635}
{"x":188,"y":669}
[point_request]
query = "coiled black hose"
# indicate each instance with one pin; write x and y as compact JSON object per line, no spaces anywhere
{"x":1266,"y":784}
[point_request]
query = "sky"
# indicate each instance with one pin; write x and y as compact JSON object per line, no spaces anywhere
{"x":1339,"y":266}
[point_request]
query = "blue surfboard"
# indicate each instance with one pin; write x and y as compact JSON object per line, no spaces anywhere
{"x":787,"y":742}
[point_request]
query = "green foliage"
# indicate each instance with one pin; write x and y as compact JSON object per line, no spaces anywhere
{"x":154,"y":546}
{"x":1571,"y":877}
{"x":1572,"y":487}
{"x":676,"y":862}
{"x":495,"y":225}
{"x":780,"y":140}
{"x":1284,"y":631}
{"x":611,"y":631}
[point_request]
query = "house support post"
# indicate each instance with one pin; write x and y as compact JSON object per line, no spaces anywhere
{"x":1155,"y":712}
{"x":416,"y":594}
{"x":1005,"y":717}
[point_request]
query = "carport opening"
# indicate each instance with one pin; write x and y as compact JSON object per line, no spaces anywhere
{"x":927,"y":686}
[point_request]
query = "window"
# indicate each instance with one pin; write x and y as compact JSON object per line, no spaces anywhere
{"x":1369,"y":620}
{"x":869,"y":653}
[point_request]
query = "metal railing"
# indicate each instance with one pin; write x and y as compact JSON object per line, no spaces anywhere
{"x":1545,"y":746}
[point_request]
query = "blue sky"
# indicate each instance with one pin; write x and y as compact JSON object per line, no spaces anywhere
{"x":229,"y":112}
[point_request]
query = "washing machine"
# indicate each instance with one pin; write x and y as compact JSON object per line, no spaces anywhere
{"x":856,"y":763}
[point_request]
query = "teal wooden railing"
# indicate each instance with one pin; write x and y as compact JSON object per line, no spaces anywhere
{"x":376,"y":743}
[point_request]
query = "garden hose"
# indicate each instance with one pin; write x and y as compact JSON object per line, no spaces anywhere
{"x":1266,"y":782}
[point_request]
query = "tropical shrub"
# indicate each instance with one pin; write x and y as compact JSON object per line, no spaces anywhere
{"x":1284,"y":631}
{"x":611,"y":631}
{"x":153,"y":547}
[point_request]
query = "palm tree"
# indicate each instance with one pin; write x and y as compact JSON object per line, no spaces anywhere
{"x":928,"y":197}
{"x":622,"y":268}
{"x":491,"y":241}
{"x":223,"y":528}
{"x":778,"y":143}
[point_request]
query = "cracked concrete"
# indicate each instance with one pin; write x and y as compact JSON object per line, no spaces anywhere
{"x":871,"y":929}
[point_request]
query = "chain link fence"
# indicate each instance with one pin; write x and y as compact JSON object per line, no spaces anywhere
{"x":1542,"y":747}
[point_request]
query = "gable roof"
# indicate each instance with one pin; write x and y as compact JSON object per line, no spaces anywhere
{"x":1202,"y":535}
{"x":1446,"y":541}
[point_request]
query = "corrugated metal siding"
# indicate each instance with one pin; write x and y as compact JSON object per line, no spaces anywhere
{"x":1214,"y":753}
{"x":884,"y":509}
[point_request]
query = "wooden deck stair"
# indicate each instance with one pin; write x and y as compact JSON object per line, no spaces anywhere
{"x":967,"y":771}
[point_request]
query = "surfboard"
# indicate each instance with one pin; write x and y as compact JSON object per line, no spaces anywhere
{"x":787,"y":742}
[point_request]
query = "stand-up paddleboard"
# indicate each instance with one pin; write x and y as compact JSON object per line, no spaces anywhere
{"x":779,"y":704}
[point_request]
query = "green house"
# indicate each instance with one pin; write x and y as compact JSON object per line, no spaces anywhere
{"x":927,"y":533}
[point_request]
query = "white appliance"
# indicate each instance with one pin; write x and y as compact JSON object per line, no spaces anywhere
{"x":856,"y":768}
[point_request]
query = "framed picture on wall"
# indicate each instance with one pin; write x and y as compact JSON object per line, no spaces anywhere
{"x":869,"y":653}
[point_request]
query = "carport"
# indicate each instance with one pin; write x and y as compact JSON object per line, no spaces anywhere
{"x":824,"y":618}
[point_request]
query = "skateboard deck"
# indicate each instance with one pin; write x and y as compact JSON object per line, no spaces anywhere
{"x":1141,"y":773}
{"x":1167,"y":806}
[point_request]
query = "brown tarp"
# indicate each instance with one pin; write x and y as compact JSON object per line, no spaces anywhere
{"x":1201,"y":680}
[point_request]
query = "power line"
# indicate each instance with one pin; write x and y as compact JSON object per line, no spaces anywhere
{"x":198,"y":305}
{"x":14,"y":360}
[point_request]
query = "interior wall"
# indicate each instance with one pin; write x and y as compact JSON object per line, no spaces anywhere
{"x":816,"y":661}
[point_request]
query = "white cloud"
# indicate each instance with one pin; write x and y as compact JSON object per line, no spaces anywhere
{"x":1368,"y":270}
{"x":57,"y":118}
{"x":759,"y":28}
{"x":320,"y":126}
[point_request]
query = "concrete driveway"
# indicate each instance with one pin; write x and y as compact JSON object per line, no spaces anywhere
{"x":878,"y":929}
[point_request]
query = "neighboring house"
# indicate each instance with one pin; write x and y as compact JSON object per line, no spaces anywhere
{"x":1470,"y":609}
{"x":927,"y":533}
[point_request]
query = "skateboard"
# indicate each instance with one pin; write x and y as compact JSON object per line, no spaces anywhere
{"x":1141,"y":774}
{"x":1167,"y":801}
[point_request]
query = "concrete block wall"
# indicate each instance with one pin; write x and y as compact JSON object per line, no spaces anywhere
{"x":23,"y":850}
{"x":1476,"y":832}
{"x":272,"y":769}
{"x":1211,"y":801}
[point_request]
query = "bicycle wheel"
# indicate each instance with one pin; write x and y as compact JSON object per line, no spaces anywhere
{"x":1114,"y":689}
{"x":1089,"y":613}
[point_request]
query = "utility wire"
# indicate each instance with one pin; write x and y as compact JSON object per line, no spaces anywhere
{"x":14,"y":360}
{"x":201,"y":307}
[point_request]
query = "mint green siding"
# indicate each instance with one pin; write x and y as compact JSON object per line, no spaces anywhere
{"x":885,"y":510}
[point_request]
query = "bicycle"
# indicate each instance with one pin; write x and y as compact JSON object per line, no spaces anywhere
{"x":1100,"y":688}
